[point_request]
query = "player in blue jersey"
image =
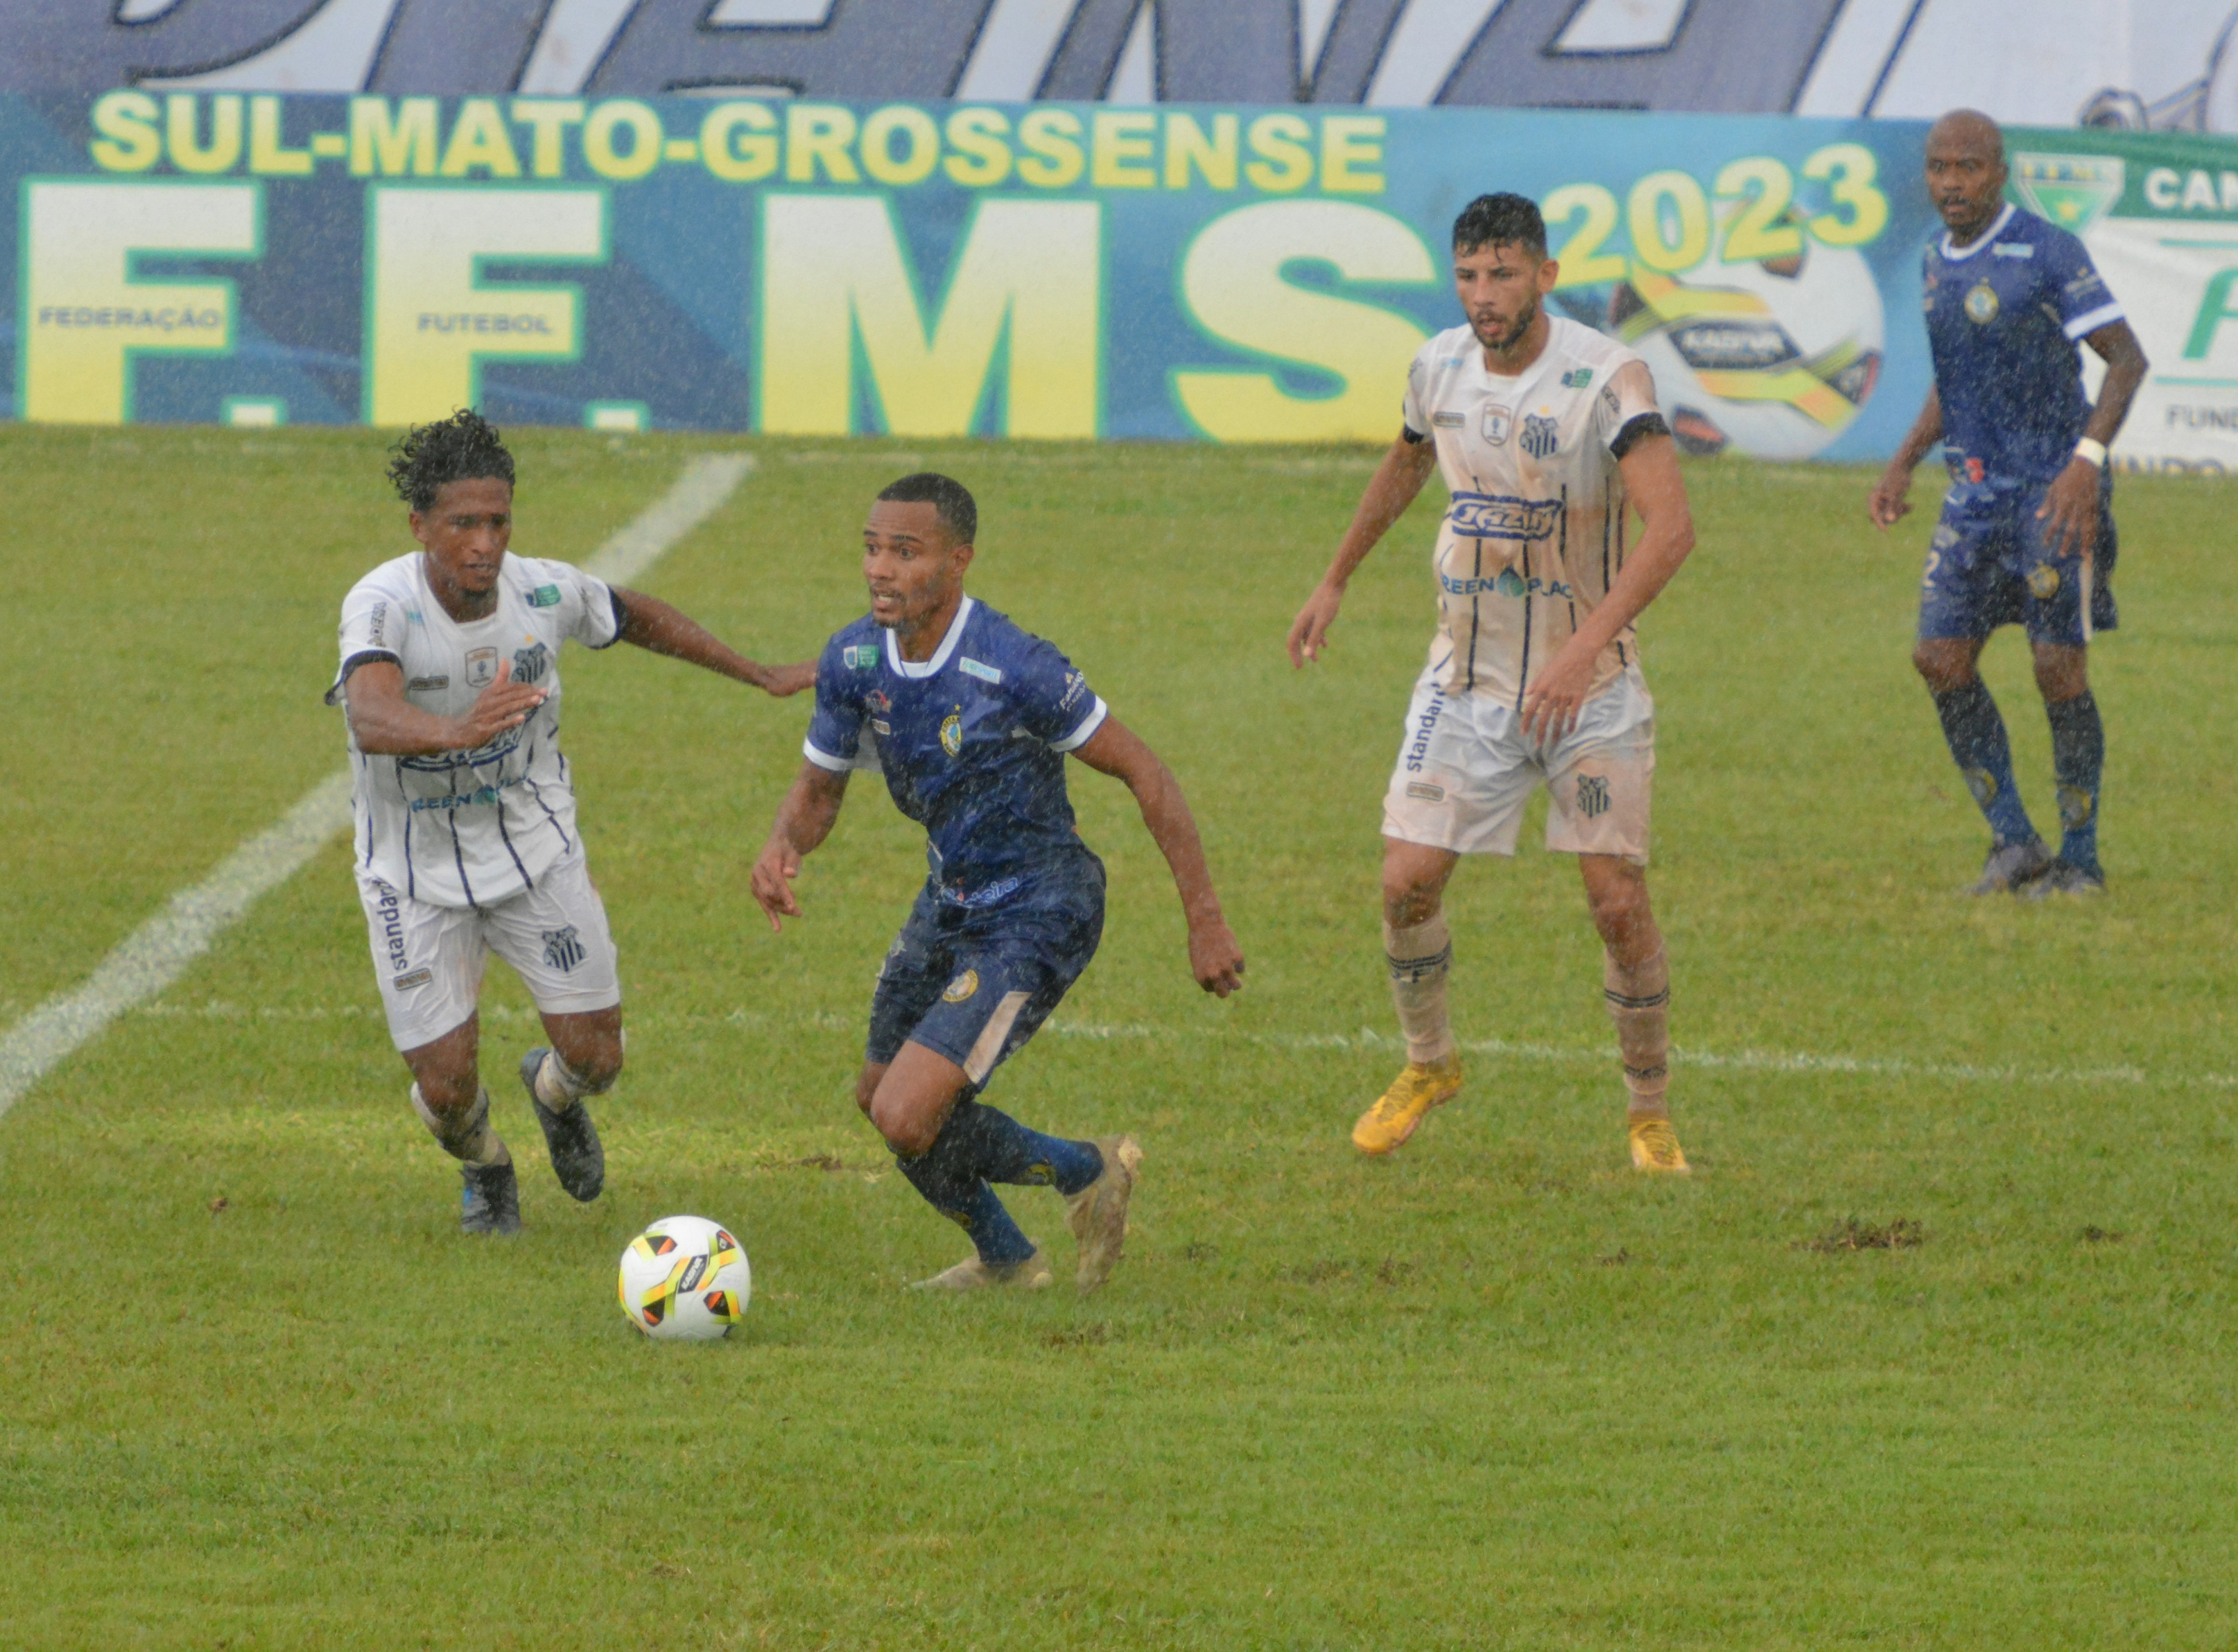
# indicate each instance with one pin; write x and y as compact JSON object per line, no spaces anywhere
{"x":969,"y":718}
{"x":2027,"y":535}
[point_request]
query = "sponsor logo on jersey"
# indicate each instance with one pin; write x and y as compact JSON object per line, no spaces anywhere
{"x":952,"y":734}
{"x":1982,"y":304}
{"x":962,"y":987}
{"x":1425,"y":791}
{"x":863,"y":658}
{"x":971,"y":667}
{"x":376,"y":628}
{"x":1540,"y":436}
{"x":529,"y":664}
{"x":392,"y":926}
{"x":1075,"y":686}
{"x":544,"y":596}
{"x":480,"y":794}
{"x":1576,"y":378}
{"x":1495,"y":423}
{"x":563,"y":948}
{"x":1425,"y":726}
{"x":429,"y":685}
{"x":1506,"y":583}
{"x":1448,"y":420}
{"x":2011,"y":249}
{"x":1593,"y":796}
{"x":481,"y":667}
{"x":417,"y":977}
{"x":1500,"y":516}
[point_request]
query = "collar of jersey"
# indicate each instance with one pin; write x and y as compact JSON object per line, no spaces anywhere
{"x":1955,"y":255}
{"x":931,"y":667}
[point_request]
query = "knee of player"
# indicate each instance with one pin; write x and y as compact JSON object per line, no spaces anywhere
{"x":449,"y":1093}
{"x":2062,"y":673}
{"x":1620,"y":912}
{"x":907,"y":1131}
{"x":1405,"y":904}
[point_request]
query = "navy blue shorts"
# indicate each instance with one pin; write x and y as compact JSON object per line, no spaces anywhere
{"x":1989,"y":564}
{"x":975,"y":983}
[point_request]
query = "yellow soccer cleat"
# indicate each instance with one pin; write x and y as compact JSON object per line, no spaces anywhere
{"x":1399,"y":1112}
{"x":1655,"y":1149}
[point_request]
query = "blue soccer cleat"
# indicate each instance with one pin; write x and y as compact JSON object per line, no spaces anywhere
{"x":578,"y":1159}
{"x":491,"y":1201}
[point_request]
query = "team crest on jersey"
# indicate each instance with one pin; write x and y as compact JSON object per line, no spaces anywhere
{"x":962,"y":987}
{"x":1982,"y":304}
{"x":481,"y":667}
{"x":1593,"y":796}
{"x":529,"y":664}
{"x":2044,"y":582}
{"x":1495,"y":423}
{"x":952,"y":734}
{"x":563,"y":948}
{"x":1540,"y":436}
{"x":865,"y":658}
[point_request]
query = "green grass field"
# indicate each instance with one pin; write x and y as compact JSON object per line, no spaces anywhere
{"x":255,"y":1391}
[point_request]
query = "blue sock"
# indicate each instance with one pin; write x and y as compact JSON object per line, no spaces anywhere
{"x":1976,"y":737}
{"x":2078,"y":756}
{"x":1004,"y":1149}
{"x":952,"y":1185}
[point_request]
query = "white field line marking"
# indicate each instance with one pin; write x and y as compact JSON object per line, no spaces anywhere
{"x":1367,"y":1039}
{"x":157,"y":953}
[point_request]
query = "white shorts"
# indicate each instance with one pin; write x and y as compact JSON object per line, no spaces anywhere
{"x":429,"y":959}
{"x":1466,"y":768}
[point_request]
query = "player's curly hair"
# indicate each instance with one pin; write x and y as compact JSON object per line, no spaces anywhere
{"x":958,"y":511}
{"x":1500,"y":220}
{"x":463,"y":447}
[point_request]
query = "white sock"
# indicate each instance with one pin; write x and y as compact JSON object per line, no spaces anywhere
{"x":1420,"y":957}
{"x":467,"y":1138}
{"x":1639,"y":1004}
{"x":558,"y":1085}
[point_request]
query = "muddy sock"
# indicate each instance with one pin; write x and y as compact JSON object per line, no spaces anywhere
{"x":1420,"y":957}
{"x":1639,"y":1002}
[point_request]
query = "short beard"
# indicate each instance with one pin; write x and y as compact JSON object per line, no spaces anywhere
{"x":1515,"y":332}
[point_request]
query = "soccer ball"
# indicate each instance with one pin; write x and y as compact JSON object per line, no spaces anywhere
{"x":1774,"y":358}
{"x":685,"y":1278}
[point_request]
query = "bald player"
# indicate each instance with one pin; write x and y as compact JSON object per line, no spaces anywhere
{"x":2027,"y":532}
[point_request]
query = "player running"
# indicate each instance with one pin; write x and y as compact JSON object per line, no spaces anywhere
{"x":969,"y":718}
{"x":466,"y":839}
{"x":2027,"y":535}
{"x":1545,"y":431}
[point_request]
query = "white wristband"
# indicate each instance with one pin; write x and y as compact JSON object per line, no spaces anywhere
{"x":2092,"y":453}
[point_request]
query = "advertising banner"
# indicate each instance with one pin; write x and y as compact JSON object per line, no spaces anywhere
{"x":1038,"y":270}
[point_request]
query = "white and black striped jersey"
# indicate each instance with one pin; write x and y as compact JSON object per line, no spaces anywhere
{"x":1536,"y":531}
{"x":469,"y":828}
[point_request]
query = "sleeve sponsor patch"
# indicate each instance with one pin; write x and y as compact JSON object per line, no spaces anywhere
{"x":544,"y":596}
{"x":971,"y":667}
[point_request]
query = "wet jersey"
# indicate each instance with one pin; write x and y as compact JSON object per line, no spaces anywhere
{"x":971,"y":743}
{"x":2003,"y":314}
{"x":469,"y":828}
{"x":1536,"y":532}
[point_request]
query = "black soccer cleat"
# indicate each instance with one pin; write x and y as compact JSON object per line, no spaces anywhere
{"x":491,"y":1202}
{"x":2011,"y":867}
{"x":578,"y":1159}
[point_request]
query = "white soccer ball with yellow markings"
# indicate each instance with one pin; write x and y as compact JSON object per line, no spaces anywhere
{"x":686,"y":1279}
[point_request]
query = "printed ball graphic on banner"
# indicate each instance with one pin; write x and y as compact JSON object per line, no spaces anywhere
{"x":1774,"y":358}
{"x":685,"y":1278}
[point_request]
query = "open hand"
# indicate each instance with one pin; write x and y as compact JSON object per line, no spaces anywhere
{"x":2070,"y":505}
{"x":1309,"y":631}
{"x":505,"y":704}
{"x":1557,"y":694}
{"x":778,"y":866}
{"x":1214,"y":959}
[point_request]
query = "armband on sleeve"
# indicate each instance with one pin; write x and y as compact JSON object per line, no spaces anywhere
{"x":1636,"y":430}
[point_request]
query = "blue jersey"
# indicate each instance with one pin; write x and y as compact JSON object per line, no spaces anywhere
{"x":972,"y":742}
{"x":2002,"y":316}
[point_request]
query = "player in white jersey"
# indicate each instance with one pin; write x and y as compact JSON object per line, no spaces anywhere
{"x":1547,"y":434}
{"x":466,"y":841}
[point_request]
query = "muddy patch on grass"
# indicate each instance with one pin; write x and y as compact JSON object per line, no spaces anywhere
{"x":1850,"y":1234}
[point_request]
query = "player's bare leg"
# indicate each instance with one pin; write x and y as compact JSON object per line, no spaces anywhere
{"x":1418,"y":950}
{"x":1636,"y":978}
{"x":585,"y":1059}
{"x":2078,"y":757}
{"x":447,"y":1093}
{"x":1975,"y":734}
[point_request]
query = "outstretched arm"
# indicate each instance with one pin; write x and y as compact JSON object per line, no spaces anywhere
{"x":1650,"y":468}
{"x":1116,"y":750}
{"x":1397,"y":479}
{"x":382,"y":720}
{"x":1886,"y":503}
{"x":659,"y":628}
{"x":804,"y":819}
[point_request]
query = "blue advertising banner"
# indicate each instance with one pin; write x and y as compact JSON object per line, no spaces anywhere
{"x":1026,"y":270}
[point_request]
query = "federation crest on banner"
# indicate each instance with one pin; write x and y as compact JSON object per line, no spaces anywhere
{"x":2073,"y":191}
